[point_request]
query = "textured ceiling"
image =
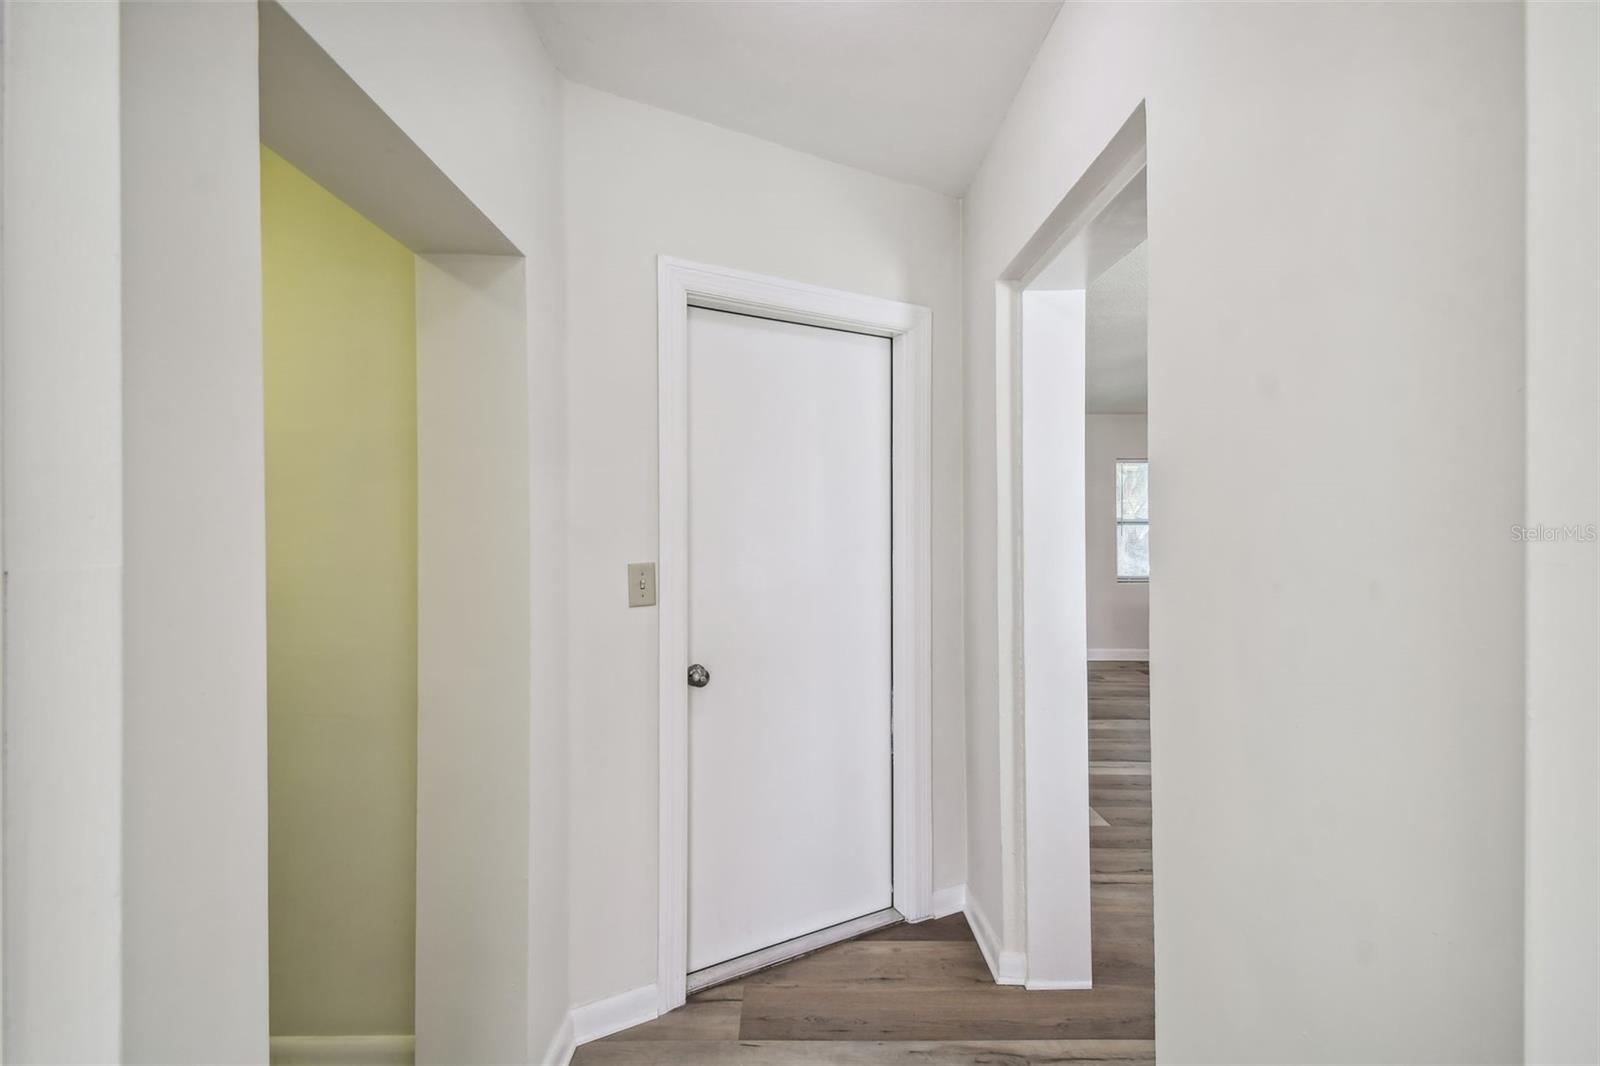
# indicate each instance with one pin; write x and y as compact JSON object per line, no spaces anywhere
{"x":1118,"y":336}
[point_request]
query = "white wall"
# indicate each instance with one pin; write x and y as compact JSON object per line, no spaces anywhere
{"x":472,"y":684}
{"x":643,"y":182}
{"x":149,"y":136}
{"x":1055,"y":677}
{"x":63,"y":534}
{"x":1563,"y":901}
{"x":471,"y":84}
{"x":194,"y":624}
{"x":1335,"y":200}
{"x":1354,"y":167}
{"x":1119,"y":611}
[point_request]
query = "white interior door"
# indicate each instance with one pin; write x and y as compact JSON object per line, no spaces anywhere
{"x":790,"y":815}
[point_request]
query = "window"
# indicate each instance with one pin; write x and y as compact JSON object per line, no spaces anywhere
{"x":1133,"y":520}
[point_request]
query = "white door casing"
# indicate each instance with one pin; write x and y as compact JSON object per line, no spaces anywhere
{"x":908,"y":330}
{"x":1045,"y":931}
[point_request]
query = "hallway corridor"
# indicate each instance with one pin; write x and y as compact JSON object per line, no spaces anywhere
{"x":922,"y":993}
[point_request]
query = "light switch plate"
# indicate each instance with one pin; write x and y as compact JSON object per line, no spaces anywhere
{"x":641,"y":584}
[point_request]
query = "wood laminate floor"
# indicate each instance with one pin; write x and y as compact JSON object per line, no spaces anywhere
{"x":921,"y":994}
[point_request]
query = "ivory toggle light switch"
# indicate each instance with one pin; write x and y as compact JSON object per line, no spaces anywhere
{"x":641,"y":584}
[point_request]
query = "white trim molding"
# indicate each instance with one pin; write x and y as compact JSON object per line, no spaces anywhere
{"x":910,"y":331}
{"x":1007,"y":967}
{"x":562,"y":1045}
{"x":613,"y":1014}
{"x":391,"y":1050}
{"x":1119,"y":655}
{"x":1043,"y":904}
{"x":947,"y":901}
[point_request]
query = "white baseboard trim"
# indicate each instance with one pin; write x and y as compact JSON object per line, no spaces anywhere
{"x":947,"y":901}
{"x":1042,"y":986}
{"x":395,"y":1050}
{"x":1127,"y":655}
{"x":614,"y":1013}
{"x":559,"y":1053}
{"x":1008,"y":967}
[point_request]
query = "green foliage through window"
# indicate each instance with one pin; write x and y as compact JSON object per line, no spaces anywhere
{"x":1133,"y":520}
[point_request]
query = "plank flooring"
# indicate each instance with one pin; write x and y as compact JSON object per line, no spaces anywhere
{"x":921,"y":994}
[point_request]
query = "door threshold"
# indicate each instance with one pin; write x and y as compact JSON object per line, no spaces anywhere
{"x":744,"y":965}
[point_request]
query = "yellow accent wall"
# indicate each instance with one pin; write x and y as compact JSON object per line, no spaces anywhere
{"x":339,"y":309}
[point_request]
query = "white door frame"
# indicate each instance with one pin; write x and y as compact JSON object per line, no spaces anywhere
{"x":1045,"y":930}
{"x":909,"y":329}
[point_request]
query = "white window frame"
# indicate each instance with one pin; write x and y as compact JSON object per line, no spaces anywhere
{"x":1117,"y":512}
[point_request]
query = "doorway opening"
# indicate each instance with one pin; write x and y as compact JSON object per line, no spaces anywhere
{"x":397,"y":447}
{"x":1070,"y":351}
{"x":695,"y":302}
{"x":339,"y":377}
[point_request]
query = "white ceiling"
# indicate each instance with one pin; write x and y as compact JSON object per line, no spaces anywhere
{"x":1118,"y":336}
{"x":913,"y":91}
